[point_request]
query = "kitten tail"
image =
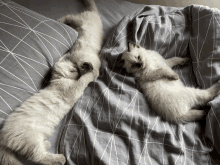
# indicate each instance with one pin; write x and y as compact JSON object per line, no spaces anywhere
{"x":90,"y":5}
{"x":7,"y":157}
{"x":191,"y":115}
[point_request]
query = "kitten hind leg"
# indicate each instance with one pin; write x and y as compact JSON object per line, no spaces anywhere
{"x":42,"y":156}
{"x":192,"y":115}
{"x":47,"y":158}
{"x":71,"y":20}
{"x":47,"y":144}
{"x":204,"y":96}
{"x":52,"y":159}
{"x":177,"y":61}
{"x":198,"y":97}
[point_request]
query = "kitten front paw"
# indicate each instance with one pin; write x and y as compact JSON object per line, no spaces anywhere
{"x":61,"y":20}
{"x":95,"y":73}
{"x":185,"y":61}
{"x":91,"y":76}
{"x":173,"y":77}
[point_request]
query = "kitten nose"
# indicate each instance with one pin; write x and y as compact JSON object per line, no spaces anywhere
{"x":139,"y":65}
{"x":136,"y":65}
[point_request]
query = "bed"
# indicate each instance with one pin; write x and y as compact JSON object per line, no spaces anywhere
{"x":112,"y":122}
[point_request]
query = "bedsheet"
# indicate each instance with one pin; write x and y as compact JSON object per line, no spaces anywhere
{"x":112,"y":123}
{"x":111,"y":12}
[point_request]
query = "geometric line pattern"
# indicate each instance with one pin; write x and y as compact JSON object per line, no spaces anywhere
{"x":116,"y":125}
{"x":30,"y":44}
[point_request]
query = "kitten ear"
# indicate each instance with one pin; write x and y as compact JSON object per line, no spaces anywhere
{"x":138,"y":46}
{"x":65,"y":57}
{"x":132,"y":45}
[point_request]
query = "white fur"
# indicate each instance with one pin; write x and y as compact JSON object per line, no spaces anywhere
{"x":89,"y":27}
{"x":27,"y":128}
{"x":162,"y":87}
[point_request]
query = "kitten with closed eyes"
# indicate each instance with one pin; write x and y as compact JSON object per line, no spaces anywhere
{"x":88,"y":24}
{"x":165,"y":92}
{"x":26,"y":130}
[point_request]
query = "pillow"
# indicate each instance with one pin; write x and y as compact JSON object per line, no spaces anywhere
{"x":30,"y":44}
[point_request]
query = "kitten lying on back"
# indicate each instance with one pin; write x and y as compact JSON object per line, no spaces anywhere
{"x":161,"y":85}
{"x":27,"y":128}
{"x":89,"y":27}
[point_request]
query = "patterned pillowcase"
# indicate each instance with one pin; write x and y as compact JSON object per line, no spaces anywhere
{"x":30,"y":44}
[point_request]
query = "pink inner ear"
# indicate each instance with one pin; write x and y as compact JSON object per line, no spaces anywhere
{"x":130,"y":46}
{"x":129,"y":49}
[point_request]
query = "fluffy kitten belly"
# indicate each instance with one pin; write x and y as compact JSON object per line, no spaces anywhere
{"x":163,"y":85}
{"x":168,"y":95}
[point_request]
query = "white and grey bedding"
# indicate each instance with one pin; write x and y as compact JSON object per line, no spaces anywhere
{"x":116,"y":125}
{"x":29,"y":46}
{"x":111,"y":11}
{"x":112,"y":122}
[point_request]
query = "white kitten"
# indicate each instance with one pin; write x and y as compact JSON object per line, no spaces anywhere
{"x":89,"y":27}
{"x":161,"y":85}
{"x":27,"y":128}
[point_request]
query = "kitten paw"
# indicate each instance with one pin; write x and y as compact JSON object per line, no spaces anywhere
{"x":52,"y":159}
{"x":185,"y":61}
{"x":61,"y":159}
{"x":95,"y":73}
{"x":47,"y":144}
{"x":173,"y":77}
{"x":60,"y":20}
